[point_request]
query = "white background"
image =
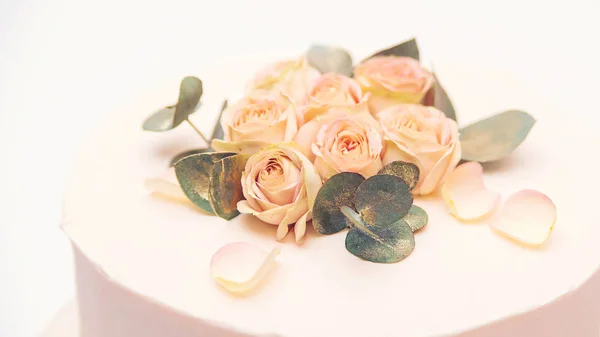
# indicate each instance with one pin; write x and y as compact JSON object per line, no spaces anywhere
{"x":65,"y":64}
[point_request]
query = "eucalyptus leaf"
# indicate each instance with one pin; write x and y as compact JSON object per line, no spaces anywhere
{"x":408,"y":48}
{"x":438,"y":97}
{"x":187,"y":154}
{"x":338,"y":191}
{"x":383,"y":199}
{"x":416,"y":218}
{"x":194,"y":173}
{"x":190,"y":92}
{"x":162,"y":120}
{"x":496,"y":137}
{"x":218,"y":129}
{"x":330,"y":59}
{"x":408,"y":172}
{"x":378,"y":243}
{"x":225,"y":188}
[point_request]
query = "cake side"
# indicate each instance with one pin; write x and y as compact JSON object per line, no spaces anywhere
{"x":161,"y":250}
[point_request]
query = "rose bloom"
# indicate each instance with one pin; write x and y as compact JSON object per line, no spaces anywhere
{"x":329,"y":91}
{"x":393,"y":80}
{"x":254,"y":122}
{"x":280,"y":186}
{"x":424,"y":136}
{"x":342,"y":141}
{"x":291,"y":77}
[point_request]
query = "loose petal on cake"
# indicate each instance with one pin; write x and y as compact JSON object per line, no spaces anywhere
{"x":527,"y":216}
{"x":165,"y":189}
{"x":495,"y":137}
{"x":465,"y":194}
{"x":240,"y":267}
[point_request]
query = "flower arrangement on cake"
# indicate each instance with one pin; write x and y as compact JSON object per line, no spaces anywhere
{"x":321,"y":141}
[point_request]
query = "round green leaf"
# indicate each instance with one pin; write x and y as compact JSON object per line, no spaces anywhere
{"x":383,"y":199}
{"x":438,"y":98}
{"x":381,"y":244}
{"x":496,"y":137}
{"x":338,"y":191}
{"x":225,"y":187}
{"x":408,"y":48}
{"x":187,"y":154}
{"x":218,"y":129}
{"x":416,"y":218}
{"x":329,"y":59}
{"x":407,"y":171}
{"x":190,"y":91}
{"x":194,"y":172}
{"x":162,"y":120}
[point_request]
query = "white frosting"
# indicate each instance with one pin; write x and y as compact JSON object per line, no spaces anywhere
{"x":143,"y":263}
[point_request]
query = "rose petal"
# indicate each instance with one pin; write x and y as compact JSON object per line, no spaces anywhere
{"x":300,"y":228}
{"x":245,"y":147}
{"x":465,"y":194}
{"x":527,"y":216}
{"x":160,"y":187}
{"x":239,"y":267}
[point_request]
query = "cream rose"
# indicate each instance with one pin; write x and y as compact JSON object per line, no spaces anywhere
{"x":342,"y":141}
{"x":393,"y":80}
{"x":331,"y":90}
{"x":423,"y":136}
{"x":280,"y":186}
{"x":290,"y":77}
{"x":256,"y":121}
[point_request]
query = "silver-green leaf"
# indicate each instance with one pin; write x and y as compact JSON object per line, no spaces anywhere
{"x":194,"y":174}
{"x":495,"y":137}
{"x":376,"y":243}
{"x":338,"y":191}
{"x":218,"y":129}
{"x":409,"y":172}
{"x":162,"y":120}
{"x":190,"y":91}
{"x":408,"y":48}
{"x":330,"y":59}
{"x":225,"y":188}
{"x":416,"y":218}
{"x":438,"y":98}
{"x":187,"y":154}
{"x":383,"y":199}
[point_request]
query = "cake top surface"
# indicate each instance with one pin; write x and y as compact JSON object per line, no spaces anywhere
{"x":459,"y":276}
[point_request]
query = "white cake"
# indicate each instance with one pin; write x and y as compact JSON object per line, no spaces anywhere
{"x":142,"y":263}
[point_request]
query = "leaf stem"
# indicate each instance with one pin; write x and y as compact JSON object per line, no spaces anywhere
{"x":355,"y":220}
{"x":198,"y":131}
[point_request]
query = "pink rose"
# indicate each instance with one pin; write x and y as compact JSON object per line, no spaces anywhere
{"x":293,"y":78}
{"x":331,"y":90}
{"x":393,"y":80}
{"x":342,"y":142}
{"x":256,"y":121}
{"x":423,"y":136}
{"x":280,"y":185}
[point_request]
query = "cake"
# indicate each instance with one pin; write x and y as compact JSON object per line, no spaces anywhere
{"x":143,"y":261}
